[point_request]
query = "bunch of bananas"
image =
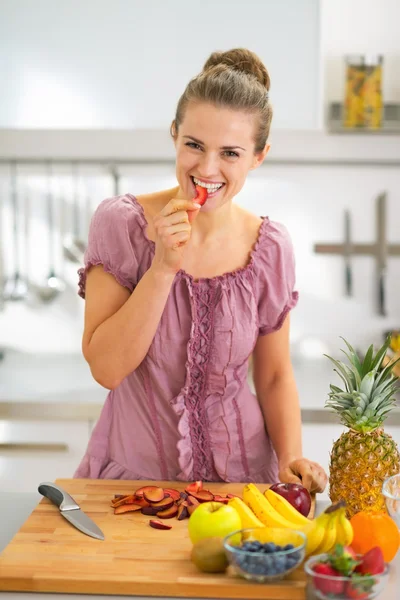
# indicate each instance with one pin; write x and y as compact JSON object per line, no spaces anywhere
{"x":272,"y":510}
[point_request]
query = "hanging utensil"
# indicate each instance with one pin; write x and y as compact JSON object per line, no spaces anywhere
{"x":74,"y":246}
{"x":381,"y":248}
{"x":347,"y":254}
{"x":16,"y":287}
{"x":53,"y":285}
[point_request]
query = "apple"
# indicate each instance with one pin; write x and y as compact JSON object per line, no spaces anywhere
{"x":213,"y":519}
{"x":296,"y":494}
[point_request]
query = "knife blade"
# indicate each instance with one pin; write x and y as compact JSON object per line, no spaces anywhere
{"x":381,"y":252}
{"x":347,"y":254}
{"x":70,"y":509}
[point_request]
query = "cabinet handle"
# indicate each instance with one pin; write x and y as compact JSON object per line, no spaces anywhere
{"x":37,"y":446}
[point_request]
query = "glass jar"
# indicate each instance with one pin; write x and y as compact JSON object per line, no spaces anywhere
{"x":372,"y":92}
{"x":353,"y":115}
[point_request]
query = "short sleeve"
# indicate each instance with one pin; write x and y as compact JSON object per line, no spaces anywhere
{"x":110,"y":244}
{"x":276,"y":278}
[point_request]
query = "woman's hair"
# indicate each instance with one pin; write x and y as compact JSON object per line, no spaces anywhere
{"x":235,"y":79}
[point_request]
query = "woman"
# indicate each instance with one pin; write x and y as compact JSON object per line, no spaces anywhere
{"x":179,"y":295}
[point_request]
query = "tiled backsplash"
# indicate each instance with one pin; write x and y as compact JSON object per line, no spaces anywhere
{"x":309,"y":200}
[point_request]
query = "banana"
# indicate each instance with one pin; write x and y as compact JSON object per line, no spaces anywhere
{"x":315,"y":532}
{"x":247,"y":516}
{"x":344,"y":529}
{"x":285,"y":509}
{"x":329,"y":539}
{"x":263,"y":509}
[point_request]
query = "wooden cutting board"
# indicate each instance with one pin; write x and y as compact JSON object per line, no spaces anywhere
{"x":48,"y":554}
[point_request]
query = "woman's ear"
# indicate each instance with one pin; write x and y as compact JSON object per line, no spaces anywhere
{"x":260,"y":156}
{"x":173,"y":131}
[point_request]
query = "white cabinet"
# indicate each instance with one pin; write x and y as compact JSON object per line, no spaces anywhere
{"x":36,"y":451}
{"x":130,"y":61}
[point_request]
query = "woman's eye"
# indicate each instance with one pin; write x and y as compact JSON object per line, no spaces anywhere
{"x":193,"y":145}
{"x":231,"y":154}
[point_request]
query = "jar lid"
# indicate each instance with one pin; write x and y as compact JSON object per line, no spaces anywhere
{"x":373,"y":59}
{"x":355,"y":59}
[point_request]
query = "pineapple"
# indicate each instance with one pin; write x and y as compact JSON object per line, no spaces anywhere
{"x":365,"y":455}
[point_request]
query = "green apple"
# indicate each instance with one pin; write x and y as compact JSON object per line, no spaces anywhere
{"x":213,"y":519}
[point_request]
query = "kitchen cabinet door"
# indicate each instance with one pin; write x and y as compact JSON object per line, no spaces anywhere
{"x":130,"y":61}
{"x":36,"y":451}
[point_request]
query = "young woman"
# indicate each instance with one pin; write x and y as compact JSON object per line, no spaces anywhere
{"x":180,"y":293}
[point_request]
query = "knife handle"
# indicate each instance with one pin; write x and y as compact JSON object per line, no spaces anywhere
{"x":58,"y":496}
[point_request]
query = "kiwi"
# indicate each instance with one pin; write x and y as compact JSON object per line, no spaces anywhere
{"x":209,"y":555}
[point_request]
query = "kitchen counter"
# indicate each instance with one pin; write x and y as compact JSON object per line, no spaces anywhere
{"x":60,"y":387}
{"x":16,"y":507}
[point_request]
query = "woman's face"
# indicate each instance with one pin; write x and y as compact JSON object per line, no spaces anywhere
{"x":215,"y":147}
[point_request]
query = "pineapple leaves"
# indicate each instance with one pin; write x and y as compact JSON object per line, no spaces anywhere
{"x":367,"y":362}
{"x":380,"y":355}
{"x":353,"y":358}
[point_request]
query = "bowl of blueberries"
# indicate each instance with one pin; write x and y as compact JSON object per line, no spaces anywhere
{"x":265,"y":554}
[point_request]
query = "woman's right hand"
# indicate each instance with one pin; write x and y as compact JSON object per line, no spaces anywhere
{"x":172,"y":232}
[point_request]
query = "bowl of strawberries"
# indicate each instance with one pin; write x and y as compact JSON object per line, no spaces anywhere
{"x":344,"y":575}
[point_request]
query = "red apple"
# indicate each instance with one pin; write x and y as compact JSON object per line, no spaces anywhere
{"x":296,"y":494}
{"x":213,"y":519}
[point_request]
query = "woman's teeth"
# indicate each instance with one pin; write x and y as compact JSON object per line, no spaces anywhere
{"x":210,"y":187}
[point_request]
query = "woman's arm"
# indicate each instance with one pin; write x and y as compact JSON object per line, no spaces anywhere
{"x":119,"y":326}
{"x":277,"y":393}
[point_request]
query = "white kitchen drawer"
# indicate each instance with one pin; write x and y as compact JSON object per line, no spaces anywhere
{"x":35,"y":451}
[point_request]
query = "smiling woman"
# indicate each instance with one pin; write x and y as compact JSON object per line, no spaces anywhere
{"x":182,"y":286}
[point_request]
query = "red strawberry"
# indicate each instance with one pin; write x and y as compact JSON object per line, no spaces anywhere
{"x":354,"y":593}
{"x":201,"y":196}
{"x":372,"y":562}
{"x":327,"y":586}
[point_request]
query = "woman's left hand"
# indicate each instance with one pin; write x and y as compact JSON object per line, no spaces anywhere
{"x":305,"y":472}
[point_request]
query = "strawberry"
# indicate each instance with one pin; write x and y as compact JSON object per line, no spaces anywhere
{"x":343,"y":559}
{"x":355,"y":594}
{"x":327,"y":586}
{"x":372,"y":563}
{"x":201,"y":196}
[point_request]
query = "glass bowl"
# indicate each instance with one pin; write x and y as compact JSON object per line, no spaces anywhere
{"x":391,"y":493}
{"x":265,"y":554}
{"x":327,"y":587}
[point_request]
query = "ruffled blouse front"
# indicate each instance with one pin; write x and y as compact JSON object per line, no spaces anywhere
{"x":187,"y":412}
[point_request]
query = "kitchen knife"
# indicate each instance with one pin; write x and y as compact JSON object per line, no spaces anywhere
{"x":70,"y":510}
{"x":381,"y":252}
{"x":347,"y":254}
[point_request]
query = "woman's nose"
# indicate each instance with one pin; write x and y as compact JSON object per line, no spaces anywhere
{"x":209,"y":165}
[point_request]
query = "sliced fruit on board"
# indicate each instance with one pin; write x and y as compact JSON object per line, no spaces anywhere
{"x":159,"y":524}
{"x":203,"y":496}
{"x":196,"y":486}
{"x":183,"y":512}
{"x":169,"y":513}
{"x":163,"y":504}
{"x":172,"y":493}
{"x":150,"y":511}
{"x":124,"y":508}
{"x":154,"y":495}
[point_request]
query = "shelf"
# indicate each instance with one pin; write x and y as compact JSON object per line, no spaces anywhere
{"x":390,"y":126}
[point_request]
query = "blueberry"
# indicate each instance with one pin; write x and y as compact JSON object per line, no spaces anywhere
{"x":246,"y":546}
{"x":288,"y":547}
{"x":269,"y":548}
{"x":278,"y":548}
{"x":296,"y":556}
{"x":291,"y":561}
{"x":279,"y":564}
{"x":257,"y":546}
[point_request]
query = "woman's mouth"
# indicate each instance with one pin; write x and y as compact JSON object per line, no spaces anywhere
{"x":212,"y":188}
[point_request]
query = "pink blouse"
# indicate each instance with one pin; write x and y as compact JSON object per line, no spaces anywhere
{"x":187,"y":412}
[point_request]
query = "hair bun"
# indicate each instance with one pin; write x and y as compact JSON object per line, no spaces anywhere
{"x":240,"y":59}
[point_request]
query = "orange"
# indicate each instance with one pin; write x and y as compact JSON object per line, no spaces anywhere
{"x":375,"y":529}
